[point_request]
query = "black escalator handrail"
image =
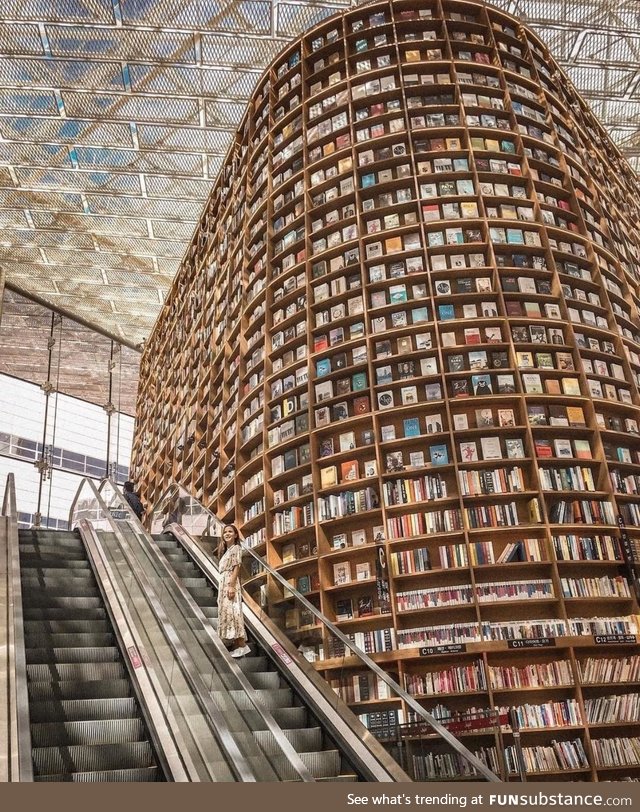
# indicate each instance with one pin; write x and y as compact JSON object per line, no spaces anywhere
{"x":284,"y":744}
{"x":236,"y":760}
{"x":19,"y":764}
{"x":433,"y":723}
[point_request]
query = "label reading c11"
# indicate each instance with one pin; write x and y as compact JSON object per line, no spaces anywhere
{"x":533,"y":642}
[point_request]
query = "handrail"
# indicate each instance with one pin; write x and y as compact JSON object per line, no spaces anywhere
{"x":17,"y":764}
{"x":243,"y":683}
{"x":235,"y":759}
{"x":433,"y":723}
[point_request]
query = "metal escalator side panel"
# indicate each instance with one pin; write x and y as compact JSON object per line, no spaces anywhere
{"x":15,"y":734}
{"x":134,"y":656}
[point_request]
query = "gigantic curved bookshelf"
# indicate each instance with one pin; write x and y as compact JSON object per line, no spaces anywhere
{"x":408,"y":324}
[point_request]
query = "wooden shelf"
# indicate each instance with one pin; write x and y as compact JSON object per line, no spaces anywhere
{"x":422,"y":251}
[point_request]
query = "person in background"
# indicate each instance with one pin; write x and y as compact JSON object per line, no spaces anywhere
{"x":230,"y":621}
{"x":133,"y":499}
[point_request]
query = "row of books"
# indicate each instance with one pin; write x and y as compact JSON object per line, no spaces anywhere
{"x":449,"y":766}
{"x":415,"y":599}
{"x":360,"y":688}
{"x":536,"y":588}
{"x":455,"y":679}
{"x":407,"y":491}
{"x":572,"y":478}
{"x":419,"y":524}
{"x":617,"y":752}
{"x":514,"y":551}
{"x":293,"y":518}
{"x":556,"y":757}
{"x":559,"y":713}
{"x":614,"y":708}
{"x":373,"y":641}
{"x":603,"y":587}
{"x":533,"y":675}
{"x":581,"y":511}
{"x":498,"y":515}
{"x":587,"y":548}
{"x":500,"y":480}
{"x":606,"y":670}
{"x":347,"y":503}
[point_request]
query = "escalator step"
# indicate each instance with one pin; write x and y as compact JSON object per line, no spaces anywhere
{"x":64,"y":672}
{"x":252,"y":664}
{"x":47,"y":601}
{"x":194,"y":583}
{"x":50,"y":690}
{"x":209,"y":611}
{"x":107,"y":776}
{"x":165,"y":544}
{"x":186,"y":570}
{"x":39,"y":592}
{"x":81,"y":655}
{"x":304,"y":740}
{"x":265,"y":679}
{"x":203,"y":596}
{"x":60,"y":540}
{"x":91,"y":758}
{"x":82,"y":710}
{"x":60,"y":613}
{"x":56,"y":640}
{"x":75,"y":627}
{"x":322,"y":764}
{"x":99,"y":731}
{"x":61,"y":575}
{"x":279,"y":698}
{"x":290,"y":718}
{"x":32,"y":552}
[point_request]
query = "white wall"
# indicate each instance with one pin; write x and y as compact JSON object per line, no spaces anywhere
{"x":72,"y":425}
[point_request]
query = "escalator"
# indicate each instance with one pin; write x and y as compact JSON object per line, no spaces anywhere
{"x":309,"y":739}
{"x":85,"y":722}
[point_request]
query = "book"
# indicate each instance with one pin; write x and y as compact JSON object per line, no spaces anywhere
{"x":344,"y":609}
{"x":439,"y":454}
{"x":342,"y":573}
{"x":328,"y":476}
{"x":468,"y":452}
{"x":349,"y":471}
{"x":363,"y":571}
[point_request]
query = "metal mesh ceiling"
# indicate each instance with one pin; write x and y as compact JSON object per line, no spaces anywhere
{"x":115,"y":116}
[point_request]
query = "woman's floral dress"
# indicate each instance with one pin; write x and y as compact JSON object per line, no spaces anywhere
{"x":230,"y":621}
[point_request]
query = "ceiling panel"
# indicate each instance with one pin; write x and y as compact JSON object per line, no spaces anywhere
{"x":115,"y":116}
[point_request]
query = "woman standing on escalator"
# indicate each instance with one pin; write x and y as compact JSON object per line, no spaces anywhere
{"x":230,"y":621}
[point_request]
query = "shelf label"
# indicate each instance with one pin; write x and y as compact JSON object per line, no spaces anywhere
{"x":452,"y":648}
{"x":119,"y":514}
{"x":281,"y":653}
{"x":533,"y":642}
{"x":606,"y":639}
{"x":134,"y":656}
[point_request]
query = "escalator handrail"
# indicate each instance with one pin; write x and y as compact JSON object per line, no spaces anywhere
{"x":235,"y":759}
{"x":164,"y":569}
{"x":19,"y":762}
{"x":433,"y":723}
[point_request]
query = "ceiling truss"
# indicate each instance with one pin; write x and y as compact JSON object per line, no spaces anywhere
{"x":116,"y":115}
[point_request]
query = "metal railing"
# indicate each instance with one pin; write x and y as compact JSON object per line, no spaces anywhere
{"x":15,"y":753}
{"x":177,"y":505}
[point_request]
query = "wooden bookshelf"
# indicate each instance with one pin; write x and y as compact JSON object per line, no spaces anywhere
{"x":403,"y":354}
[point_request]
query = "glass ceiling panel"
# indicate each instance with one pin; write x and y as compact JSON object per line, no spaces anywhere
{"x":115,"y":118}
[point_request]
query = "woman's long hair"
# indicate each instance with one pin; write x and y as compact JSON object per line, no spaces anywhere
{"x":222,"y":546}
